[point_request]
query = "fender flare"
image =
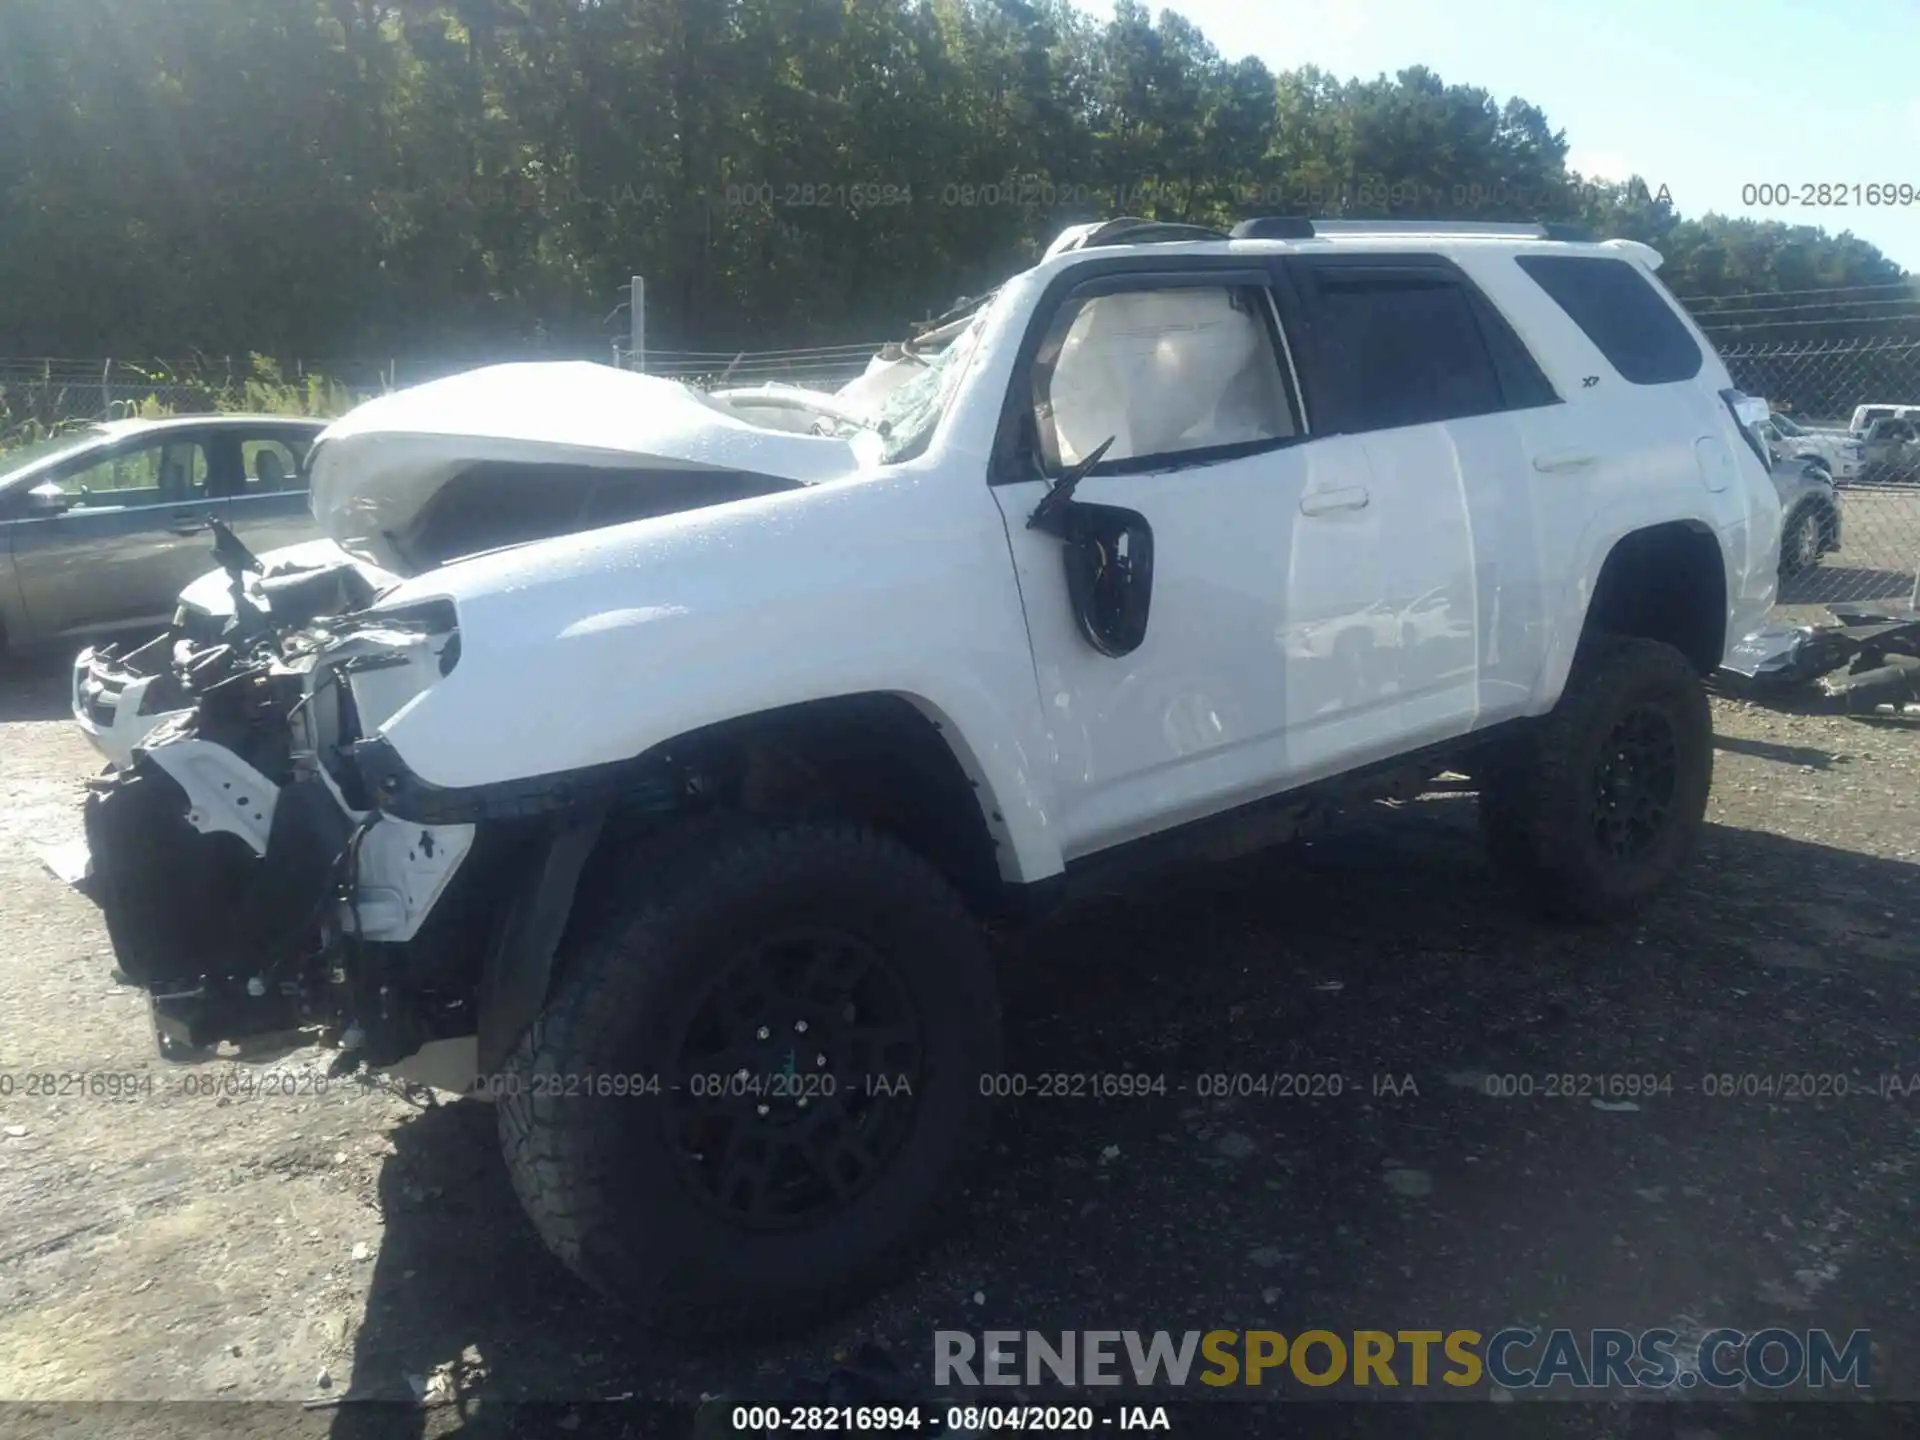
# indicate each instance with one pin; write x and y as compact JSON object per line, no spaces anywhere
{"x":1603,"y":536}
{"x":517,"y":971}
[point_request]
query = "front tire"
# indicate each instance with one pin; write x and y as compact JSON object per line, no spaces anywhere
{"x":1601,"y":801}
{"x":817,"y":1010}
{"x":1802,"y":540}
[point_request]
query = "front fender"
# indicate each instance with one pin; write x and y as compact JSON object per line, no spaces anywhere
{"x":581,"y":653}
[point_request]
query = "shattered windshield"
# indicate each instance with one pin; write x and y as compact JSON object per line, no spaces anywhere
{"x":912,"y":412}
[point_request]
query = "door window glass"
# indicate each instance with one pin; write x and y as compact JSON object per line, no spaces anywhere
{"x":1398,"y":349}
{"x":269,"y":466}
{"x":1163,"y":373}
{"x":163,"y":474}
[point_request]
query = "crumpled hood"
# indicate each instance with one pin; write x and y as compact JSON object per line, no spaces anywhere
{"x":373,"y":471}
{"x":212,"y":593}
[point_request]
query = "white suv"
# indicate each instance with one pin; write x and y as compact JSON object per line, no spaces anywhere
{"x":673,"y":813}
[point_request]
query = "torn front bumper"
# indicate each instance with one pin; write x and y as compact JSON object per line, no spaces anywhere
{"x":241,"y":885}
{"x":118,"y":700}
{"x":219,"y":935}
{"x":248,"y":909}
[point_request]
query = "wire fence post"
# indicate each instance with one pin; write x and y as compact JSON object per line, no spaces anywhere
{"x":637,"y":308}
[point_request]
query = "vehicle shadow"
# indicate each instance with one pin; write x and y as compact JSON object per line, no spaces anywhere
{"x":1383,"y":947}
{"x":1807,"y":755}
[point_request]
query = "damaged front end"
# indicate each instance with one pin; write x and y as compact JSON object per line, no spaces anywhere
{"x":247,"y":879}
{"x":119,"y":697}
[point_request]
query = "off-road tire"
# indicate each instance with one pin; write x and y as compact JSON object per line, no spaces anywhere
{"x":1537,"y":790}
{"x":602,"y":1179}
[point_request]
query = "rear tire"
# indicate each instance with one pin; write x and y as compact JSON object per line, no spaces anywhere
{"x":775,"y":1203}
{"x":1600,"y":802}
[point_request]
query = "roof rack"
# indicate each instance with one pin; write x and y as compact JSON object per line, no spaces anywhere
{"x":1301,"y":227}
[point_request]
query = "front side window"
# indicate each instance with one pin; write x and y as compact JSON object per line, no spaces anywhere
{"x":163,"y":474}
{"x":1615,"y":305}
{"x":1400,"y":347}
{"x":1162,"y":373}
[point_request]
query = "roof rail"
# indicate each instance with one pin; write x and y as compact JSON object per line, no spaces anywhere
{"x":1301,"y":227}
{"x":1131,"y":230}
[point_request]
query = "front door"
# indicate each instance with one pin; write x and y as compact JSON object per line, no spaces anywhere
{"x":1183,"y":368}
{"x":135,"y":535}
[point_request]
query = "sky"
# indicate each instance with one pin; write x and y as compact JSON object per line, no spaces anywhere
{"x":1702,"y":96}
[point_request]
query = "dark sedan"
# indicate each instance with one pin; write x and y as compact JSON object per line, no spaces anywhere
{"x":100,"y":528}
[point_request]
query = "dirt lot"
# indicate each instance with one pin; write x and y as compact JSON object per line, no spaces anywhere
{"x":285,"y":1246}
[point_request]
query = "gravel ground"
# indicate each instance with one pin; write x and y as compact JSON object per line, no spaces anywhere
{"x":244,"y":1246}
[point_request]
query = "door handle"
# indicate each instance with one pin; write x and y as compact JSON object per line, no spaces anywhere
{"x":1553,"y":461}
{"x":1339,"y":497}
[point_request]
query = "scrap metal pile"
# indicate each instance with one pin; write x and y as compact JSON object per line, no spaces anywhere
{"x":1867,"y":660}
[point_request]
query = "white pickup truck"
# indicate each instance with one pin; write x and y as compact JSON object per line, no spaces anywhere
{"x":1838,"y":452}
{"x":662,"y":762}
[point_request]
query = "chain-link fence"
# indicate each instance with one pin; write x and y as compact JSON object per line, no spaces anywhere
{"x":823,"y":368}
{"x":1839,"y":407}
{"x":43,"y":396}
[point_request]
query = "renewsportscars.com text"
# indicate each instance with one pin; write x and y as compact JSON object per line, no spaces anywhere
{"x":1513,"y":1358}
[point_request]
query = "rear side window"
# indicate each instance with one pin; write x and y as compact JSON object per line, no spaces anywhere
{"x":1621,"y":313}
{"x":271,"y":465}
{"x":1395,"y":348}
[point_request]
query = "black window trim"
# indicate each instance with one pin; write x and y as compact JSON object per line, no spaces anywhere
{"x":1121,"y":274}
{"x":1522,"y":383}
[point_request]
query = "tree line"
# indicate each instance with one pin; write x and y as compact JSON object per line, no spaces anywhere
{"x":480,"y":178}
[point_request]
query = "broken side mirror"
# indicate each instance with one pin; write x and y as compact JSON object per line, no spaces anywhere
{"x":1109,"y":559}
{"x":1108,"y":552}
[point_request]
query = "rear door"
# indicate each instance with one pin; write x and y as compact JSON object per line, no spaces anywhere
{"x":1405,"y":352}
{"x":269,"y":506}
{"x":136,"y":534}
